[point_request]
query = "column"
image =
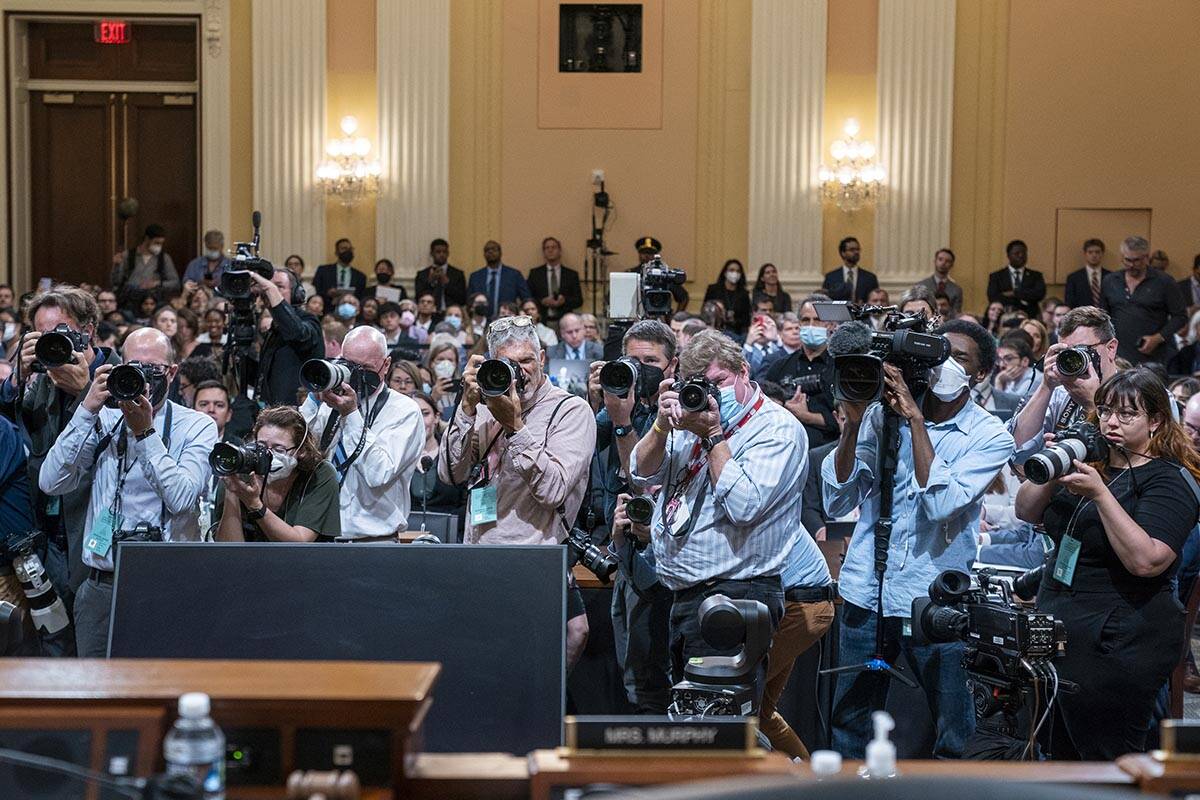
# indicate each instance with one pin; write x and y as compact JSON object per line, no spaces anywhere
{"x":787,"y":96}
{"x":413,"y":49}
{"x":916,"y":108}
{"x":289,"y":123}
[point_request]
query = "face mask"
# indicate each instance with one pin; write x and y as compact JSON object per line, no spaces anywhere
{"x":814,"y":335}
{"x":443,"y":369}
{"x":732,"y":276}
{"x":347,"y":256}
{"x":155,"y":249}
{"x":729,"y":403}
{"x":346,"y":310}
{"x":282,"y":465}
{"x":426,"y":388}
{"x":406,"y":319}
{"x":212,"y":255}
{"x":10,"y":330}
{"x":383,"y":278}
{"x":363,"y":383}
{"x":650,"y":377}
{"x":481,"y":309}
{"x":455,"y":322}
{"x":158,"y":390}
{"x":951,"y":380}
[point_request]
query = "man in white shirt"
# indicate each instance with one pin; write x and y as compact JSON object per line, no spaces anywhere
{"x":373,"y":435}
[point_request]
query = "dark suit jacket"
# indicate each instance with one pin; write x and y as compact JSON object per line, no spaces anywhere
{"x":812,"y":509}
{"x":568,"y":287}
{"x":512,"y":285}
{"x":592,"y":351}
{"x":326,"y":280}
{"x":454,"y":293}
{"x":835,"y":285}
{"x":1025,"y":297}
{"x":954,"y":292}
{"x":1185,"y":289}
{"x":1182,"y":363}
{"x":1078,"y":290}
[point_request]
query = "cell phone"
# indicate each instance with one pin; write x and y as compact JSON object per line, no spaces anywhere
{"x":44,"y":284}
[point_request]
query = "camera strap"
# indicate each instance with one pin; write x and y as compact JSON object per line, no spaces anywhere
{"x":343,"y":468}
{"x":1067,"y":416}
{"x":123,"y":469}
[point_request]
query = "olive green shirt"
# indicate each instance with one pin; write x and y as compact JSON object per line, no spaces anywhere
{"x":311,"y":503}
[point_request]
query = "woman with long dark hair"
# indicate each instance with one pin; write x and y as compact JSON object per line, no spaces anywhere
{"x":1119,"y":525}
{"x":730,"y":289}
{"x":768,"y":287}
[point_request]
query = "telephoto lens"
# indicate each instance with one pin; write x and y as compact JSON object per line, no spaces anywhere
{"x":126,"y":382}
{"x":640,"y":510}
{"x":1082,"y":442}
{"x":496,"y":375}
{"x":1073,"y":362}
{"x":694,"y":393}
{"x":229,"y":458}
{"x":619,"y":377}
{"x":55,"y":348}
{"x":319,"y":375}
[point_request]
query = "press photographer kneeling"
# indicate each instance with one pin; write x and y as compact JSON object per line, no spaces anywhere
{"x":277,"y":487}
{"x":1118,"y":503}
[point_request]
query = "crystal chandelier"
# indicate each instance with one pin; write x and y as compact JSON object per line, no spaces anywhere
{"x":347,"y":174}
{"x":856,"y":179}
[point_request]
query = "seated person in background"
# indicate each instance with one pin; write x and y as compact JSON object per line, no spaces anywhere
{"x":690,"y":328}
{"x":573,"y":343}
{"x":591,"y":328}
{"x":1017,"y":375}
{"x":443,"y":362}
{"x":300,"y":503}
{"x":1182,"y":389}
{"x":389,"y":323}
{"x":530,"y":309}
{"x":730,"y":289}
{"x":333,"y":333}
{"x":788,"y":342}
{"x":428,"y":492}
{"x":404,"y":377}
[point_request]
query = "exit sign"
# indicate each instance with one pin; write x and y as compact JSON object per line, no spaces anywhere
{"x":112,"y":31}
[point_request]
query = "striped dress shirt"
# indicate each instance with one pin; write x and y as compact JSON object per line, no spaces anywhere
{"x":745,"y":526}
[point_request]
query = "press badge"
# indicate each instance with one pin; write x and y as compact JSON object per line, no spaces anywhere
{"x":1068,"y":555}
{"x":99,"y":541}
{"x":483,"y":505}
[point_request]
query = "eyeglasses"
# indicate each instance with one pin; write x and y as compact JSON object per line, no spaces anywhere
{"x":279,"y":449}
{"x":1125,"y":416}
{"x":504,"y":323}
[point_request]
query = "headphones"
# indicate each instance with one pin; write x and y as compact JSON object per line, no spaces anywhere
{"x":298,"y":293}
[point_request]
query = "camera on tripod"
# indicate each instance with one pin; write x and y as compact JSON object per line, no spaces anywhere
{"x":860,"y":352}
{"x":581,"y":550}
{"x":695,"y":391}
{"x":657,"y":280}
{"x":57,"y":347}
{"x":1080,"y":442}
{"x":497,"y":375}
{"x":237,"y":286}
{"x":229,"y":458}
{"x":725,"y":685}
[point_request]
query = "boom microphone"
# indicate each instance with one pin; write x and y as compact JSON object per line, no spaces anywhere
{"x":849,"y":338}
{"x":256,"y":221}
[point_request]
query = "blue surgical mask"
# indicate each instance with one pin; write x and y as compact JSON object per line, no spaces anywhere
{"x":729,"y":404}
{"x":814,"y":336}
{"x":455,"y":322}
{"x":347,"y":311}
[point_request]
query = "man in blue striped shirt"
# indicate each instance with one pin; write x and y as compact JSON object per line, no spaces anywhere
{"x":733,"y":478}
{"x":950,"y":451}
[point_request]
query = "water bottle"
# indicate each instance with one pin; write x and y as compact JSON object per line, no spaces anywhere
{"x":195,"y":746}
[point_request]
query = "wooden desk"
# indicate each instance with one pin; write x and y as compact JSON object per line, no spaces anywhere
{"x":587,"y":580}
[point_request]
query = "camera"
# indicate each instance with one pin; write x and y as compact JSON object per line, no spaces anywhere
{"x":640,"y":510}
{"x":46,"y":609}
{"x":496,"y":375}
{"x":580,"y":550}
{"x":695,"y":391}
{"x":625,"y":374}
{"x":58,"y":347}
{"x":251,"y":458}
{"x":860,"y":351}
{"x":808,"y":384}
{"x":657,"y":280}
{"x":1074,"y":361}
{"x":126,"y":382}
{"x":725,"y":685}
{"x":1082,"y":442}
{"x":237,"y":286}
{"x":142,"y":532}
{"x":319,"y":375}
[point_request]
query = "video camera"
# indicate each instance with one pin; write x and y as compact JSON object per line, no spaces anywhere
{"x":1080,"y":442}
{"x":725,"y":685}
{"x":808,"y":384}
{"x":57,"y":347}
{"x":859,"y":351}
{"x":237,"y":286}
{"x":657,"y":280}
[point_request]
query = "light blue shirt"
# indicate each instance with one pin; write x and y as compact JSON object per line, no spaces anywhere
{"x":157,"y":476}
{"x":745,"y":526}
{"x":1054,"y":409}
{"x":935,"y":526}
{"x":805,"y":566}
{"x":197,"y":268}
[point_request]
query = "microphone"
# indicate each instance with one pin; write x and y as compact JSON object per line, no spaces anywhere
{"x":256,"y":221}
{"x":426,"y":465}
{"x":850,"y":338}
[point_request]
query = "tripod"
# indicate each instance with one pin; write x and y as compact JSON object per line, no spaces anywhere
{"x":595,"y":265}
{"x":889,"y":456}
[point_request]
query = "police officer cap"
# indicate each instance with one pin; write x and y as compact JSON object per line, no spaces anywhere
{"x":649,"y":243}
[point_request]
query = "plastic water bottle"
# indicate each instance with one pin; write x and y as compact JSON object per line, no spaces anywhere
{"x":196,"y":746}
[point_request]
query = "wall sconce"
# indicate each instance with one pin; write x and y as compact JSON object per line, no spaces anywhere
{"x":347,"y":174}
{"x":855,"y":179}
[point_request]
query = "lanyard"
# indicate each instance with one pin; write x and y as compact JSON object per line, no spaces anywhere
{"x":123,"y":470}
{"x":698,"y":458}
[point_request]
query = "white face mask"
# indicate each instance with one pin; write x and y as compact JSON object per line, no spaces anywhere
{"x":213,"y":255}
{"x":951,"y":380}
{"x":10,"y":330}
{"x":282,"y":465}
{"x":732,"y":276}
{"x":443,"y":369}
{"x":155,"y":249}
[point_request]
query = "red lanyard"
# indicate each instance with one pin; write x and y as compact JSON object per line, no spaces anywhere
{"x":697,"y":460}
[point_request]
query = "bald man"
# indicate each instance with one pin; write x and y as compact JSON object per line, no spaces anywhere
{"x":148,"y":461}
{"x":1191,"y":420}
{"x":373,"y":435}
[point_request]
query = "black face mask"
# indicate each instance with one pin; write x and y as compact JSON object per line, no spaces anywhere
{"x":364,"y":382}
{"x":480,"y":309}
{"x":383,"y":278}
{"x":649,"y":377}
{"x":347,"y":256}
{"x":158,"y":389}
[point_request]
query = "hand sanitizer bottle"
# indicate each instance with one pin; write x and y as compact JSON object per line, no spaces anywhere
{"x":881,"y":752}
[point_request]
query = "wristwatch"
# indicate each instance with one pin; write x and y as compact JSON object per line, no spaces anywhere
{"x":709,"y":442}
{"x":622,"y":430}
{"x":257,"y":514}
{"x":145,"y":434}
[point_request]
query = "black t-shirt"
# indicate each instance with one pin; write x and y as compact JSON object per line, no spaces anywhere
{"x":1155,"y":495}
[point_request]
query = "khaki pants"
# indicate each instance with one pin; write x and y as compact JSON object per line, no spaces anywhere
{"x":802,"y":626}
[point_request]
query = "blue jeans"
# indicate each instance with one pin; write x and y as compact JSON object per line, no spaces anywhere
{"x":937,"y":668}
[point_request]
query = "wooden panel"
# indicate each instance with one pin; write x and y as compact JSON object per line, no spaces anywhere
{"x":157,"y":51}
{"x":70,"y":178}
{"x":67,"y":50}
{"x":162,"y":171}
{"x":1111,"y":225}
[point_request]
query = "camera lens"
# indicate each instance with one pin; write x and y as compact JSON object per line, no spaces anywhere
{"x":693,"y":397}
{"x":1071,"y":363}
{"x":618,"y":377}
{"x":640,"y":510}
{"x":1054,"y":461}
{"x":54,"y":349}
{"x":225,"y":459}
{"x":495,"y":377}
{"x":319,"y":375}
{"x":228,"y":458}
{"x":949,"y":587}
{"x":126,"y":382}
{"x":859,"y":378}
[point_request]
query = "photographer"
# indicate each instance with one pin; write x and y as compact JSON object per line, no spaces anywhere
{"x":950,"y":451}
{"x":1060,"y":400}
{"x":373,"y":435}
{"x":299,"y":502}
{"x":147,"y":459}
{"x":732,"y":477}
{"x":294,"y":337}
{"x":813,"y":409}
{"x":526,"y":455}
{"x":641,"y":604}
{"x":41,"y":400}
{"x":1120,"y":524}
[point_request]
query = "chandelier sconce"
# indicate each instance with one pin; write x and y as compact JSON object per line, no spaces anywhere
{"x":347,"y":174}
{"x":855,"y":180}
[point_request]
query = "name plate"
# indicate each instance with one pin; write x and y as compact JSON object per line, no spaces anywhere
{"x":632,"y":735}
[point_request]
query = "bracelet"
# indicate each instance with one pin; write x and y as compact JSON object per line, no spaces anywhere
{"x":658,"y":428}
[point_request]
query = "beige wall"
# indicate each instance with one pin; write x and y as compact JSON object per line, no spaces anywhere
{"x":241,"y":123}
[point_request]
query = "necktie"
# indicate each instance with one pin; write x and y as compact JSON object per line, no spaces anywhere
{"x":493,"y":290}
{"x":1016,"y":278}
{"x":1095,"y":287}
{"x":342,"y":282}
{"x":850,"y":280}
{"x":554,"y":281}
{"x":941,"y":286}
